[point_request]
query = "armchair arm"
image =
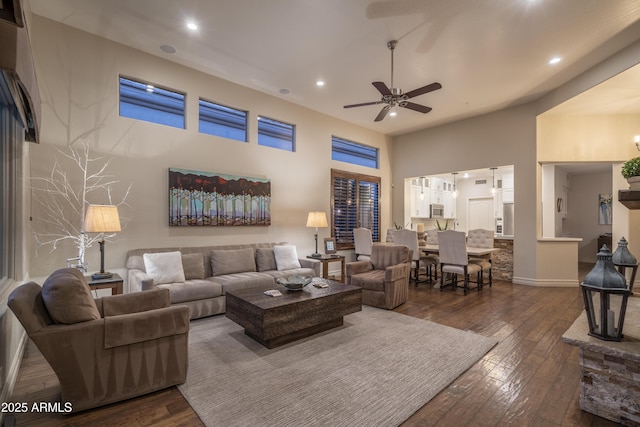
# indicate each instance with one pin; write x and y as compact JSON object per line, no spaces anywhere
{"x":145,"y":326}
{"x":311,"y":263}
{"x":395,"y":272}
{"x":139,"y":280}
{"x":116,"y":305}
{"x":358,"y":267}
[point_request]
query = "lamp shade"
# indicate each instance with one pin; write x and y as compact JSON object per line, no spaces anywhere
{"x":101,"y":219}
{"x":317,"y":219}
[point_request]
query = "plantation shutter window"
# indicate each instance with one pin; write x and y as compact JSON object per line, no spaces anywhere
{"x":355,"y":203}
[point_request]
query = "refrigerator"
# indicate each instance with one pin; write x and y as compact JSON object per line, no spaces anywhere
{"x":507,"y":219}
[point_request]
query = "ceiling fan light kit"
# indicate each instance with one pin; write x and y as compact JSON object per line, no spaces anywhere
{"x":394,"y":96}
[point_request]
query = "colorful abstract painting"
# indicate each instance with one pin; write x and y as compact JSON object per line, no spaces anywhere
{"x":213,"y":199}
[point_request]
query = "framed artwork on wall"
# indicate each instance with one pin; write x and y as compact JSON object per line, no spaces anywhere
{"x":329,"y":245}
{"x":604,"y":208}
{"x":213,"y":199}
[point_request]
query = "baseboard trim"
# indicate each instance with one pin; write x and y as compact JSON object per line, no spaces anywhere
{"x":12,"y":374}
{"x":546,"y":283}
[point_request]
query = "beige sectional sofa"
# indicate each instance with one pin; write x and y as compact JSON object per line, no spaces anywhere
{"x":210,"y":271}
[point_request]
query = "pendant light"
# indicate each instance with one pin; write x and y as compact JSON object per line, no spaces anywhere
{"x":455,"y":191}
{"x":493,"y":183}
{"x":422,"y":188}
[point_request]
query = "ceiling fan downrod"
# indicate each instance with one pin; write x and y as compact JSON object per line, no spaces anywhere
{"x":392,"y":45}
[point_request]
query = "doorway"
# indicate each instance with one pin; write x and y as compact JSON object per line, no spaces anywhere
{"x":480,"y":213}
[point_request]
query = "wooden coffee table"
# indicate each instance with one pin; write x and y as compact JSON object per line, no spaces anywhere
{"x":273,"y":321}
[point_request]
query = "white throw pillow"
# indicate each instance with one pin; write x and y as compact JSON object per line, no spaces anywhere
{"x":286,"y":257}
{"x":164,"y":267}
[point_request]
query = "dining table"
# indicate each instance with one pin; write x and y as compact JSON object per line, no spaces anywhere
{"x":471,"y":250}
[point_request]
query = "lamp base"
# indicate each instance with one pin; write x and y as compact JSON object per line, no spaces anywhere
{"x":100,"y":276}
{"x":316,"y":255}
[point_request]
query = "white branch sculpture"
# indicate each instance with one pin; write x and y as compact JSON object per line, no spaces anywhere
{"x":62,"y":198}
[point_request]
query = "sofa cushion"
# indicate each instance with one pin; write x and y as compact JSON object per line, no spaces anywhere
{"x":67,"y":297}
{"x":164,"y":267}
{"x":245,"y":280}
{"x":230,"y":261}
{"x":286,"y":257}
{"x":193,"y":265}
{"x":192,"y":290}
{"x":266,"y":259}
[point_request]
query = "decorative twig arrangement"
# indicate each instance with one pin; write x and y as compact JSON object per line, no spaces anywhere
{"x":62,"y":198}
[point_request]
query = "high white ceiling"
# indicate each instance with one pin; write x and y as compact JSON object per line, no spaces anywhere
{"x":487,"y":54}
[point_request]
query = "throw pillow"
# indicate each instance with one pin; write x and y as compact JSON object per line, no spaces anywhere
{"x":164,"y":267}
{"x":230,"y":261}
{"x":193,"y":265}
{"x":286,"y":257}
{"x":67,"y":297}
{"x":265,"y":259}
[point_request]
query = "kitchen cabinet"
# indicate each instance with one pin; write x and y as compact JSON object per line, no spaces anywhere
{"x":420,"y":200}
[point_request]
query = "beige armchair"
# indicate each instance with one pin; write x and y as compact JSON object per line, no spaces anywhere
{"x":385,"y":278}
{"x":135,"y":343}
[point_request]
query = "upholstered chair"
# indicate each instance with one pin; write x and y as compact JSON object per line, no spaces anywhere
{"x":420,"y":261}
{"x":384,"y":278}
{"x":104,"y":350}
{"x":363,"y":243}
{"x":454,"y":261}
{"x":481,"y":238}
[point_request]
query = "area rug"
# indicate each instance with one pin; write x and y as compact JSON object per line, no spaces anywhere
{"x":377,"y":369}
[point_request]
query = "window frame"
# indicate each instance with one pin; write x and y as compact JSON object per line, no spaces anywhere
{"x":347,"y":242}
{"x":367,"y":161}
{"x":293,"y":134}
{"x":217,"y":104}
{"x":168,"y":109}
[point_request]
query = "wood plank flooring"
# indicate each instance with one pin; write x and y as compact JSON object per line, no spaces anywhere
{"x":530,"y":378}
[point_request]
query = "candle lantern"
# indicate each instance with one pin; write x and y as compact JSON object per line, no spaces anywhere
{"x":624,"y":259}
{"x":605,"y":295}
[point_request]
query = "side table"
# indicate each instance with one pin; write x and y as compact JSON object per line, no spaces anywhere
{"x":326,"y":259}
{"x":115,"y":283}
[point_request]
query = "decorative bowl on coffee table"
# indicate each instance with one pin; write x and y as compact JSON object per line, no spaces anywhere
{"x":294,"y":283}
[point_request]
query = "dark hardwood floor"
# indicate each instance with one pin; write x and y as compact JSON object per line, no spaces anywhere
{"x":530,"y":378}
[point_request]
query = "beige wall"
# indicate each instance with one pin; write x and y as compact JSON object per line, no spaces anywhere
{"x":78,"y":77}
{"x":505,"y":137}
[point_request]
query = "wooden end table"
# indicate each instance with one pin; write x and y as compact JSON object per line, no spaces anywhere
{"x":115,"y":283}
{"x":326,"y":259}
{"x":274,"y":321}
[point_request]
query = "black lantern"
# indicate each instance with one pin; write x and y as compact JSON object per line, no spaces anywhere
{"x":605,"y":298}
{"x":624,"y":259}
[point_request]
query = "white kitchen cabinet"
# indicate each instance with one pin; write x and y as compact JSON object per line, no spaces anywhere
{"x":420,"y":200}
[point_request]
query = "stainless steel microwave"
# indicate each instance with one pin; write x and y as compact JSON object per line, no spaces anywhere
{"x":436,"y":211}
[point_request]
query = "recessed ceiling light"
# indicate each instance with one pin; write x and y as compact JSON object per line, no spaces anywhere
{"x":555,"y":60}
{"x":319,"y":83}
{"x":393,"y":114}
{"x":167,"y":48}
{"x":285,"y":91}
{"x":192,"y":26}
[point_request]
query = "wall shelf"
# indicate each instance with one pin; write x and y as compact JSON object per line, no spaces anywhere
{"x":629,"y":198}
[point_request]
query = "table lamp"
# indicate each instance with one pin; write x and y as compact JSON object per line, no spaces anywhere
{"x":101,"y":219}
{"x":317,"y":220}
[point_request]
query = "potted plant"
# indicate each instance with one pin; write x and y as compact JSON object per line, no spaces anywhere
{"x":631,"y":171}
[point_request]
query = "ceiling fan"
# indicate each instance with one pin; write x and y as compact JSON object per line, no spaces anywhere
{"x":395,"y":96}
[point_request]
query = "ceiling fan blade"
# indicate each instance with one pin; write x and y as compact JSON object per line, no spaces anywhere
{"x":422,"y":90}
{"x":363,"y":104}
{"x":416,"y":107}
{"x":381,"y":115}
{"x":382,"y":88}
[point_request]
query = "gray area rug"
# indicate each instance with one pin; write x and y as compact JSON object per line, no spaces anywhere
{"x":377,"y":369}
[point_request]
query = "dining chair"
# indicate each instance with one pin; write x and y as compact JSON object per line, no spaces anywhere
{"x":409,"y":238}
{"x":481,"y":238}
{"x":454,"y":260}
{"x":363,"y":242}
